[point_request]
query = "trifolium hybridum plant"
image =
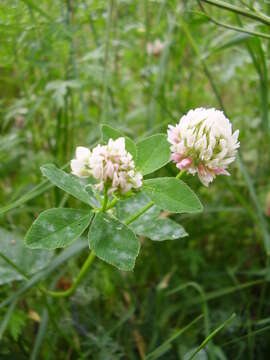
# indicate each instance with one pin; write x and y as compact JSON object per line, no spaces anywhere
{"x":119,"y":203}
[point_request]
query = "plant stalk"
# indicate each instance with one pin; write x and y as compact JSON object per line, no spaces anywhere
{"x":252,"y":15}
{"x":139,"y":213}
{"x":105,"y":199}
{"x":90,"y":259}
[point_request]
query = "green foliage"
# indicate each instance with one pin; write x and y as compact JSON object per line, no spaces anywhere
{"x":17,"y":323}
{"x":57,"y":228}
{"x":153,"y":153}
{"x":172,"y":195}
{"x":113,"y":242}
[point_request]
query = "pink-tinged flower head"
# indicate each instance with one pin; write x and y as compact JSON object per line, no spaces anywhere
{"x":109,"y":164}
{"x":203,"y":143}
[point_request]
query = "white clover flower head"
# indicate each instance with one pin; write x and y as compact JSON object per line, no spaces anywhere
{"x":79,"y":165}
{"x":111,"y":165}
{"x":203,"y":143}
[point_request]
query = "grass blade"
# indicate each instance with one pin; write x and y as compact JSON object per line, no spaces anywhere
{"x":213,"y":333}
{"x":40,"y":335}
{"x":166,"y":345}
{"x":7,"y":317}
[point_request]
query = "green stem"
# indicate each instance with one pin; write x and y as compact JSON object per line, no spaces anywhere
{"x":105,"y":199}
{"x":88,"y":262}
{"x":232,"y":27}
{"x":112,"y":204}
{"x":252,"y":15}
{"x":68,"y":292}
{"x":14,"y":266}
{"x":202,"y":61}
{"x":147,"y":206}
{"x":139,"y":213}
{"x":203,"y":301}
{"x":104,"y":113}
{"x":180,"y":174}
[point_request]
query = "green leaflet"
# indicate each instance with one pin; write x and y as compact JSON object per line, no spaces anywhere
{"x":57,"y":228}
{"x":68,"y":183}
{"x":159,"y":229}
{"x":172,"y":194}
{"x":152,"y":153}
{"x":113,"y":242}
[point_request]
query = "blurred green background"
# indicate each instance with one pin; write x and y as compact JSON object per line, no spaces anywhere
{"x":65,"y":68}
